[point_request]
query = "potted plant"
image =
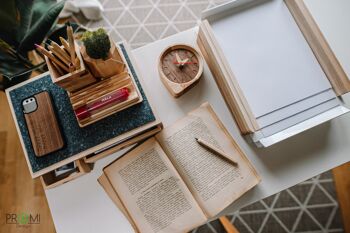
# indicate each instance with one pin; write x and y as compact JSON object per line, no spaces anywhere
{"x":101,"y":55}
{"x":23,"y":24}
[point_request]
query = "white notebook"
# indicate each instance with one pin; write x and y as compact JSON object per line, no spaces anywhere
{"x":277,"y":71}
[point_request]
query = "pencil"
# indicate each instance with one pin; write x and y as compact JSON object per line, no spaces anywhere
{"x":51,"y":57}
{"x":58,"y":69}
{"x":215,"y":150}
{"x":60,"y":50}
{"x":77,"y":63}
{"x":71,"y":43}
{"x":58,"y":54}
{"x":65,"y":44}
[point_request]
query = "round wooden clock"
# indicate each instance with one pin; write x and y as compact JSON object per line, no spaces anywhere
{"x":180,"y":68}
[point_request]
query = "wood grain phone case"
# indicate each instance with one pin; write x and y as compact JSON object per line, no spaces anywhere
{"x":42,"y":124}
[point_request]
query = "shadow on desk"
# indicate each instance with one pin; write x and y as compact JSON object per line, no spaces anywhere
{"x":290,"y":152}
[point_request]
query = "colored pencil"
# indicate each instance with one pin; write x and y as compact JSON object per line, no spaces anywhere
{"x":215,"y":150}
{"x":58,"y":54}
{"x":65,"y":44}
{"x":51,"y":57}
{"x":59,"y":49}
{"x":71,"y":43}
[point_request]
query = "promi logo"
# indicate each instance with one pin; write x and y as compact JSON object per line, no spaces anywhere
{"x":22,"y":219}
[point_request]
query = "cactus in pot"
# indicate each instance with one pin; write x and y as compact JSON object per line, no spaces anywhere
{"x":97,"y":44}
{"x":101,"y":55}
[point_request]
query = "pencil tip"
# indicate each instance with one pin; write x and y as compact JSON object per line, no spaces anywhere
{"x":196,"y":139}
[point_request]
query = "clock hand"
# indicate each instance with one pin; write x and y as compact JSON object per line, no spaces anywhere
{"x":183,"y":62}
{"x":178,"y":59}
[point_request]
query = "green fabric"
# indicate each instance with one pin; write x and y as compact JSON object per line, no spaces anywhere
{"x":23,"y":23}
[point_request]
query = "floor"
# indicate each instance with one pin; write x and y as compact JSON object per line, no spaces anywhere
{"x":311,"y":206}
{"x":19,"y":194}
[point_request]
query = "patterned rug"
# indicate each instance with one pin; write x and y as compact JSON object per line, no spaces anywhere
{"x":310,"y":206}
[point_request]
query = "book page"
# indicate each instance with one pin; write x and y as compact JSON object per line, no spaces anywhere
{"x":213,"y":181}
{"x":152,"y":191}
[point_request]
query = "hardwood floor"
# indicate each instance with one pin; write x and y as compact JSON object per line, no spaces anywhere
{"x":341,"y":176}
{"x":18,"y":192}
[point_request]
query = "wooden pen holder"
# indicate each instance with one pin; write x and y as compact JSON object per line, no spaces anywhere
{"x":75,"y":80}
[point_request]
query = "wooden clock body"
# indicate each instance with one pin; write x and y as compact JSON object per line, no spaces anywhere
{"x":180,"y":68}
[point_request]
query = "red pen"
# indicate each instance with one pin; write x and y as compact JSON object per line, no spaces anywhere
{"x":115,"y":97}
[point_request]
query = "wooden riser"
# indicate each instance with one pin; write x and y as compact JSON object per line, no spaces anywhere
{"x":49,"y":180}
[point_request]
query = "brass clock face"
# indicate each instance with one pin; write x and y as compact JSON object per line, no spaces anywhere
{"x":180,"y":64}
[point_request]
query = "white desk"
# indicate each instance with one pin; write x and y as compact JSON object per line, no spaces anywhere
{"x":83,"y":206}
{"x":332,"y":17}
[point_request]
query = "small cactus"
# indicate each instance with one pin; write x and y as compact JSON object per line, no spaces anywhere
{"x":97,"y":43}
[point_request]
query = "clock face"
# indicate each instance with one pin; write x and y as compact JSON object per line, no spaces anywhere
{"x":180,"y":65}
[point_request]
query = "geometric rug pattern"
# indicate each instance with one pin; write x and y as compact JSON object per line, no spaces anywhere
{"x":310,"y":206}
{"x":307,"y":207}
{"x":140,"y":22}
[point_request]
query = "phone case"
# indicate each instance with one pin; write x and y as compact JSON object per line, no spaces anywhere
{"x":43,"y":127}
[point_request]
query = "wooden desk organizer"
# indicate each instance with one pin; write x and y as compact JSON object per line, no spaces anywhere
{"x":50,"y":180}
{"x":104,"y":88}
{"x":74,"y":81}
{"x":84,"y":87}
{"x":117,"y":136}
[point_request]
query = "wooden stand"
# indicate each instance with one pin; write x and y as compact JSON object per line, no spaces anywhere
{"x":50,"y":180}
{"x":71,"y":81}
{"x":103,"y":69}
{"x":104,"y":88}
{"x":48,"y":176}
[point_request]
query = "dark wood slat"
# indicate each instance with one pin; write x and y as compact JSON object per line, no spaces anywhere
{"x":341,"y":176}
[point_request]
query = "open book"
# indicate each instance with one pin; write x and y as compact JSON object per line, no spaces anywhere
{"x":170,"y":183}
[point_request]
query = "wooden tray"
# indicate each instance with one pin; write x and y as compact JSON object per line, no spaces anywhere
{"x":94,"y":149}
{"x":101,"y":89}
{"x":268,"y":69}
